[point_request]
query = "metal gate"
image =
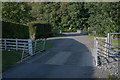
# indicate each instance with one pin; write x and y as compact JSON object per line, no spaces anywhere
{"x":114,"y":43}
{"x":36,"y":47}
{"x":107,"y":48}
{"x":100,"y":48}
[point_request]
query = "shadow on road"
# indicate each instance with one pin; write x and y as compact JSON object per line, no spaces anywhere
{"x":79,"y":52}
{"x":68,"y":58}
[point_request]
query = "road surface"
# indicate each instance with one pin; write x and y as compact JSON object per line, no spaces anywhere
{"x":70,"y":57}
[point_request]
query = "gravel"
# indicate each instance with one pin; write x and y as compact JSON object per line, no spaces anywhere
{"x":110,"y":65}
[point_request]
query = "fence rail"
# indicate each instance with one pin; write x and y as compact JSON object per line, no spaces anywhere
{"x":28,"y":47}
{"x":17,"y":44}
{"x":107,"y":47}
{"x":35,"y":47}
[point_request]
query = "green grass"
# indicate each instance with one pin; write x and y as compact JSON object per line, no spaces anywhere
{"x":48,"y":45}
{"x":10,"y":58}
{"x":110,"y":77}
{"x":114,"y":41}
{"x":91,"y":36}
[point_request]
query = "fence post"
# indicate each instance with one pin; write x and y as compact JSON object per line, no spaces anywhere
{"x":0,"y":44}
{"x":30,"y":47}
{"x":108,"y":41}
{"x":106,"y":47}
{"x":44,"y":44}
{"x":35,"y":46}
{"x":23,"y":53}
{"x":5,"y":44}
{"x":16,"y":44}
{"x":95,"y":51}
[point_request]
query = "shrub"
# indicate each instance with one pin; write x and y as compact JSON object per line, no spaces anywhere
{"x":74,"y":30}
{"x":110,"y":76}
{"x":39,"y":29}
{"x":13,"y":30}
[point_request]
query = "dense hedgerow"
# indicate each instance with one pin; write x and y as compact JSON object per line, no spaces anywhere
{"x":35,"y":29}
{"x":39,"y":29}
{"x":13,"y":30}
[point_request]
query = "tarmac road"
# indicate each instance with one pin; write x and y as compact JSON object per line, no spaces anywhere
{"x":70,"y":57}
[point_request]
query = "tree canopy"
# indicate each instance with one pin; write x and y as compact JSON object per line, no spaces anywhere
{"x":16,"y":12}
{"x":102,"y":17}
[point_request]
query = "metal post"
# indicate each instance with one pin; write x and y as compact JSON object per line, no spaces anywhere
{"x":44,"y":44}
{"x":96,"y":52}
{"x":106,"y":46}
{"x":5,"y":44}
{"x":23,"y":53}
{"x":94,"y":49}
{"x":30,"y":47}
{"x":35,"y":47}
{"x":60,"y":32}
{"x":16,"y":44}
{"x":108,"y":41}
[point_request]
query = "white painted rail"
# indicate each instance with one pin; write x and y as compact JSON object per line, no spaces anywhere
{"x":106,"y":47}
{"x":17,"y":44}
{"x":28,"y":47}
{"x":34,"y":48}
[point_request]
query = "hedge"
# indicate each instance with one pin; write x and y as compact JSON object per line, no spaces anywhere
{"x":32,"y":30}
{"x":13,"y":30}
{"x":39,"y":29}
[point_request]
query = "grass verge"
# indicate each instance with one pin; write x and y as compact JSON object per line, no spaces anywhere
{"x":59,"y":35}
{"x":11,"y":57}
{"x":48,"y":45}
{"x":91,"y":36}
{"x":113,"y":41}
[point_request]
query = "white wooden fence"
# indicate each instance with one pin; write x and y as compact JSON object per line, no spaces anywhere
{"x":17,"y":44}
{"x":27,"y":46}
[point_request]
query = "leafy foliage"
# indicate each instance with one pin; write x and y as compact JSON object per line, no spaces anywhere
{"x":101,"y":17}
{"x":16,"y":12}
{"x":62,"y":15}
{"x":39,"y":29}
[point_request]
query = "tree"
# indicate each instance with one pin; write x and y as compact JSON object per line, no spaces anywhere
{"x":16,"y":12}
{"x":62,"y":15}
{"x":103,"y":17}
